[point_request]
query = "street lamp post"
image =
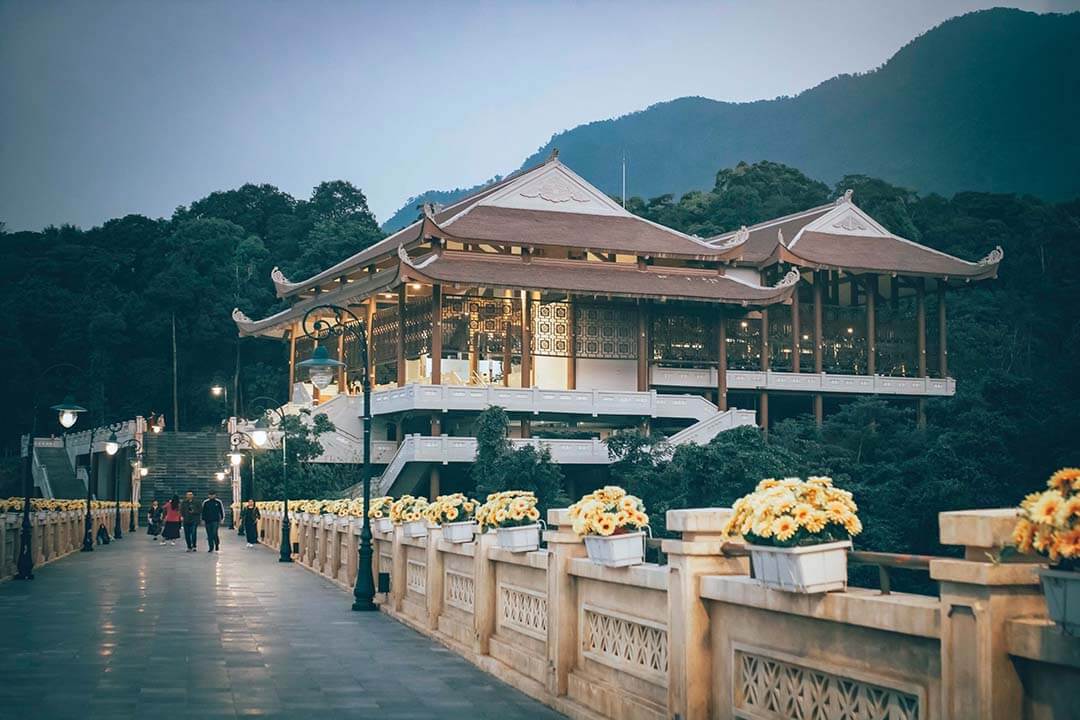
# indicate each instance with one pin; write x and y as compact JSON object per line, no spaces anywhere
{"x":91,"y":481}
{"x":319,"y":323}
{"x":68,"y":413}
{"x":236,"y":460}
{"x":112,"y":447}
{"x":143,"y":472}
{"x":260,"y":435}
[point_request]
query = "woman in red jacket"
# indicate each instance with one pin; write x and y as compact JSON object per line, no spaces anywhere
{"x":172,"y":520}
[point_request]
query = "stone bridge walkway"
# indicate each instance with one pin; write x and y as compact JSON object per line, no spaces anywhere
{"x":135,"y":630}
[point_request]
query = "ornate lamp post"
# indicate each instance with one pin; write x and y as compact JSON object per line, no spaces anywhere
{"x":143,"y":472}
{"x":236,"y":459}
{"x":321,"y":368}
{"x":68,"y":413}
{"x":91,"y":482}
{"x":260,"y":435}
{"x":112,"y":447}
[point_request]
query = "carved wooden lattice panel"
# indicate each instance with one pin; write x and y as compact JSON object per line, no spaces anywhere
{"x":632,"y":645}
{"x":417,"y":327}
{"x":416,"y":576}
{"x":605,"y":331}
{"x":384,"y":329}
{"x":484,"y":324}
{"x":766,"y":688}
{"x":551,"y":329}
{"x":523,"y":610}
{"x":459,"y":590}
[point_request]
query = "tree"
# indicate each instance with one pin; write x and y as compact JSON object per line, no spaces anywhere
{"x":499,"y":466}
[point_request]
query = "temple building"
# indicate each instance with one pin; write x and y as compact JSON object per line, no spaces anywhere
{"x":542,"y":295}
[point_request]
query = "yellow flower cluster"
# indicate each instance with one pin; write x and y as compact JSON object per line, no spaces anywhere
{"x":608,"y":511}
{"x":451,"y":508}
{"x":379,"y":508}
{"x":795,"y":512}
{"x":510,"y":508}
{"x":1050,"y":520}
{"x":15,"y":504}
{"x":408,"y":509}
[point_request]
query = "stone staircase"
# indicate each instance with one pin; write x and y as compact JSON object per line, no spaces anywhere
{"x":184,"y":461}
{"x":61,"y":476}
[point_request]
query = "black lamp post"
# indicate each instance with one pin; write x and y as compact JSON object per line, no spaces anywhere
{"x":91,"y":482}
{"x":118,"y":531}
{"x":260,"y":436}
{"x":236,"y":460}
{"x":68,"y":413}
{"x":331,"y":321}
{"x":143,"y":472}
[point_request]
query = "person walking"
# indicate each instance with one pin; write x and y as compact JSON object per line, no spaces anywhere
{"x":191,"y":511}
{"x":172,"y":521}
{"x":153,"y":518}
{"x":249,"y":521}
{"x":213,"y":512}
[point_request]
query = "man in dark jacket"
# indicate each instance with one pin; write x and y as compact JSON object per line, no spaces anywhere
{"x":190,"y":511}
{"x":213,"y":512}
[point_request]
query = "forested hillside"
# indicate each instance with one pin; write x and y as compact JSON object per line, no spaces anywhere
{"x":986,"y":101}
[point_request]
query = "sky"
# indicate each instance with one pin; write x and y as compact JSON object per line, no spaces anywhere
{"x":110,"y":108}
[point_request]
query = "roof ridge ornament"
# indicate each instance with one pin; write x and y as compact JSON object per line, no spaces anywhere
{"x":554,"y":155}
{"x":845,"y":199}
{"x":239,"y":316}
{"x":404,"y":256}
{"x":429,"y":211}
{"x":741,"y":236}
{"x":789,"y":280}
{"x":780,"y":236}
{"x":279,"y":277}
{"x":993,"y":257}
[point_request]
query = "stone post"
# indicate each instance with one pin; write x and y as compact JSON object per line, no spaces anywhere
{"x":979,"y":594}
{"x":434,"y":582}
{"x":563,"y":546}
{"x":689,"y":642}
{"x":397,"y":573}
{"x":484,"y":592}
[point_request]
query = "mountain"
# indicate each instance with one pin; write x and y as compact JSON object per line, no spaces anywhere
{"x":986,"y":101}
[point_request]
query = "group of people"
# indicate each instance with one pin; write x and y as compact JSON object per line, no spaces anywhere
{"x":167,"y":520}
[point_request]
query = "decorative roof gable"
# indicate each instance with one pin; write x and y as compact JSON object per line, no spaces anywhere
{"x":554,"y":187}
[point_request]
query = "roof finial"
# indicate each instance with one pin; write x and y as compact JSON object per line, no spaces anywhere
{"x":790,"y":279}
{"x":429,"y":210}
{"x":780,"y":235}
{"x":845,"y":198}
{"x":554,"y":155}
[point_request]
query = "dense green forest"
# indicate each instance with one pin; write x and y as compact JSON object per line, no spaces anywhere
{"x":105,"y":299}
{"x":985,"y":101}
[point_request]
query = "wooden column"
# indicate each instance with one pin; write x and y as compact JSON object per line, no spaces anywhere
{"x":401,"y":298}
{"x":436,"y":334}
{"x":292,"y":361}
{"x":943,"y":352}
{"x":819,"y":341}
{"x":763,"y":402}
{"x":721,"y":360}
{"x":433,"y":483}
{"x":920,"y":320}
{"x":526,"y":340}
{"x":871,"y":325}
{"x":370,"y":320}
{"x":571,"y":359}
{"x":796,"y":338}
{"x":643,"y":348}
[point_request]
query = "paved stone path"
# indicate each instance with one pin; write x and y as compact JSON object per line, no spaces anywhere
{"x":135,"y":630}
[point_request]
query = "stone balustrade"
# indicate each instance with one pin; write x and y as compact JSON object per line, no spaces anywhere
{"x":698,"y":638}
{"x":55,"y":534}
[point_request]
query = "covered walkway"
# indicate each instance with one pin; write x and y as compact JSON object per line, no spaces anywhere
{"x":141,"y":631}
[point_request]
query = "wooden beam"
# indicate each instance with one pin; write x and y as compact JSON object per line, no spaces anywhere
{"x":871,"y":324}
{"x":943,"y":352}
{"x":920,"y":321}
{"x":721,"y":359}
{"x":436,"y":334}
{"x":401,"y":370}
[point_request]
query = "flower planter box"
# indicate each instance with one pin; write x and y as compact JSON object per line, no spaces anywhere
{"x":383,"y":525}
{"x":416,"y":528}
{"x":616,"y":550}
{"x":525,"y":538}
{"x":459,"y":532}
{"x":808,"y":569}
{"x":1062,"y":591}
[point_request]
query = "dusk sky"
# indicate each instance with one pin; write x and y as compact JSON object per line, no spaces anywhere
{"x":110,"y":108}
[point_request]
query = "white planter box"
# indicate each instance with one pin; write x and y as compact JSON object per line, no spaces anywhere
{"x":616,"y":550}
{"x":459,"y":532}
{"x":807,"y":569}
{"x":383,"y":525}
{"x":416,"y":528}
{"x":525,"y":538}
{"x":1062,"y":591}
